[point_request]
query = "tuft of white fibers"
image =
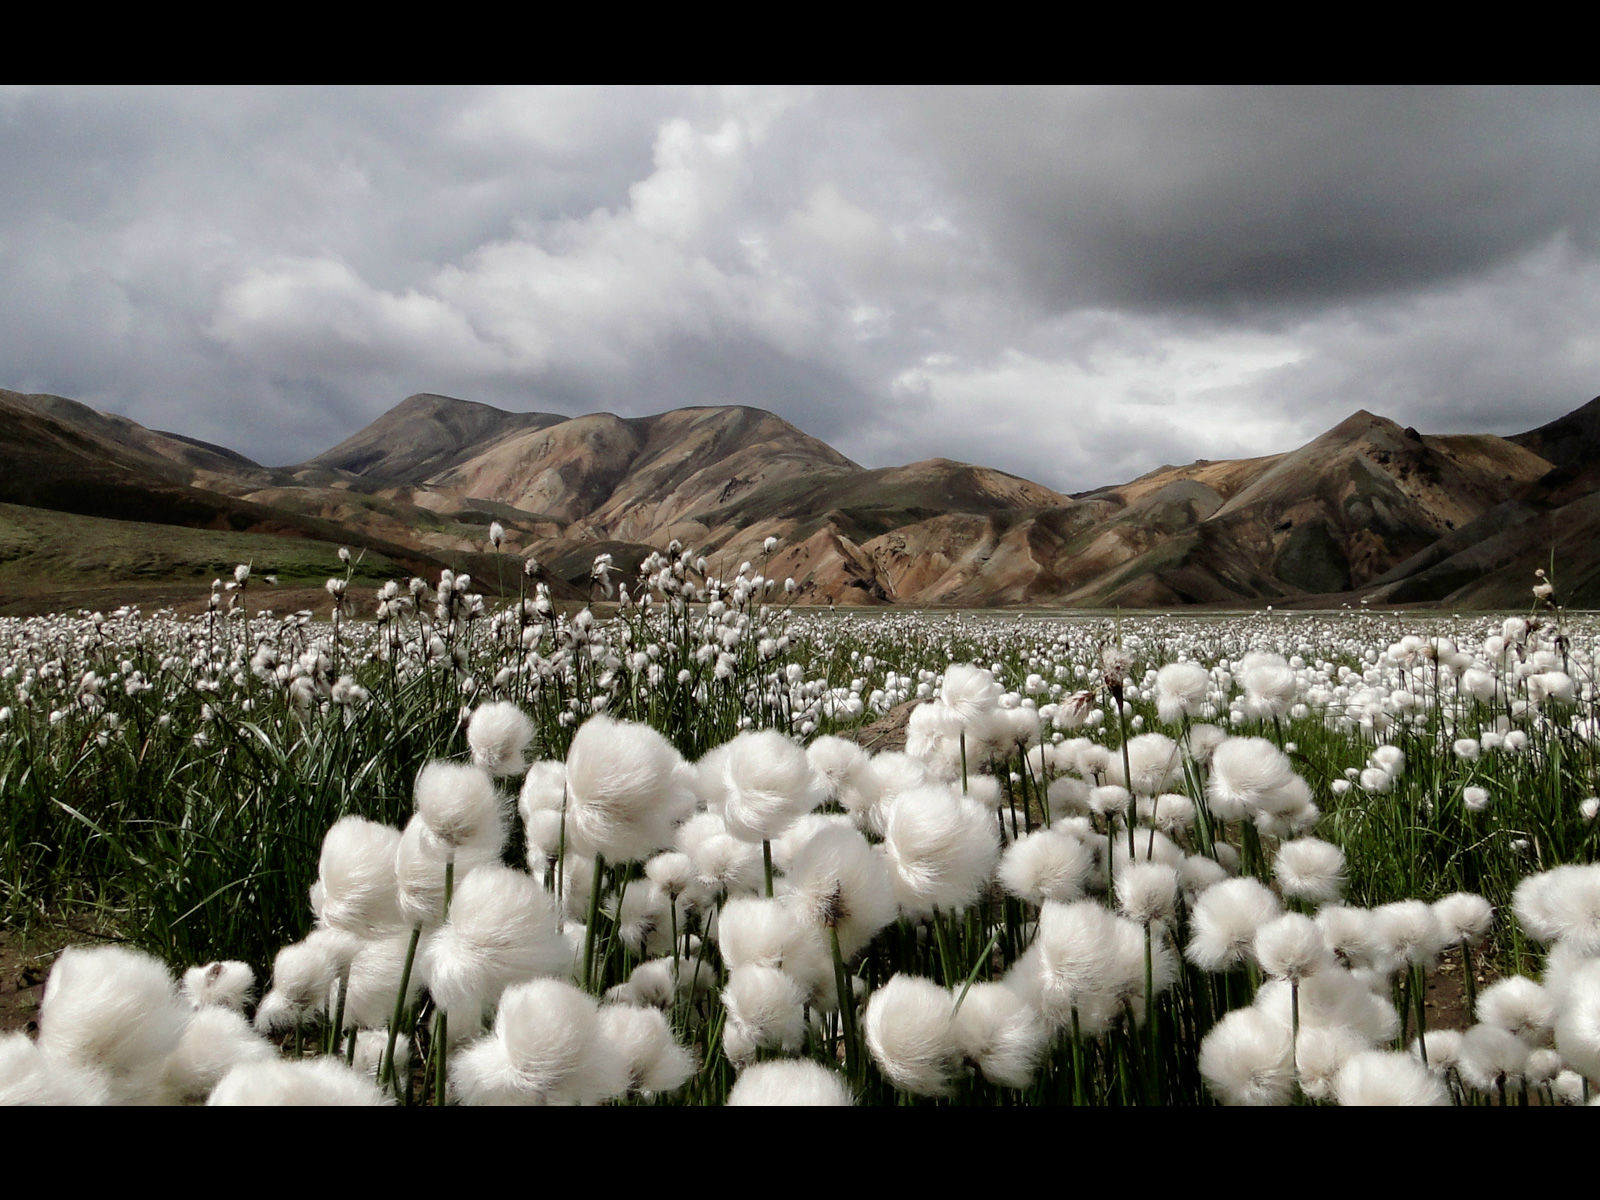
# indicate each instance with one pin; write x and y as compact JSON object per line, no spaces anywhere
{"x":1247,"y":1060}
{"x":217,"y":1039}
{"x":1476,"y":799}
{"x":1001,"y":1034}
{"x":29,"y":1077}
{"x":768,"y":784}
{"x":1148,"y":847}
{"x":1379,"y":1078}
{"x":370,"y":1047}
{"x":1351,"y":933}
{"x":1092,"y":960}
{"x":625,"y":795}
{"x":498,"y":734}
{"x":1153,"y":764}
{"x":671,"y":874}
{"x":1251,"y":776}
{"x":458,"y":804}
{"x":547,"y":1048}
{"x":985,"y":790}
{"x":652,"y":1058}
{"x":756,"y":931}
{"x":1223,"y":926}
{"x":219,"y":984}
{"x":1181,"y":690}
{"x":1269,"y":684}
{"x":849,"y":773}
{"x":659,"y":982}
{"x":501,"y":930}
{"x":971,"y":693}
{"x":794,"y":1083}
{"x":1391,"y":760}
{"x":419,"y":867}
{"x":1577,"y":1026}
{"x":765,"y":1011}
{"x":1047,"y":864}
{"x":375,"y":974}
{"x":726,"y":866}
{"x":837,"y":881}
{"x":1491,"y":1058}
{"x":1147,"y":892}
{"x":1410,"y":932}
{"x":1198,"y":872}
{"x":1443,"y":1046}
{"x":303,"y":975}
{"x":313,"y":1081}
{"x":1561,"y":905}
{"x":1333,"y":998}
{"x":1320,"y":1053}
{"x":1170,"y":812}
{"x":1291,"y":947}
{"x":911,"y":1037}
{"x":1109,"y":800}
{"x":942,"y":849}
{"x":360,"y":894}
{"x":1068,"y":796}
{"x":1519,"y":1005}
{"x":543,"y":792}
{"x":114,"y":1011}
{"x":1310,"y":869}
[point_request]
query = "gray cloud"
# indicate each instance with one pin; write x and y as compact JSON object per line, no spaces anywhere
{"x":1072,"y":284}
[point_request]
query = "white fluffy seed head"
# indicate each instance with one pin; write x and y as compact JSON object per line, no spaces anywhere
{"x":766,"y":1011}
{"x":1247,"y":1060}
{"x":360,"y":894}
{"x":910,"y":1035}
{"x":458,"y":804}
{"x":1046,"y":864}
{"x":1001,"y":1034}
{"x":768,"y":785}
{"x":791,"y":1083}
{"x":114,"y":1011}
{"x":942,"y":849}
{"x":838,"y":881}
{"x":501,"y":930}
{"x":1311,"y":870}
{"x":228,"y":985}
{"x":1291,"y":947}
{"x":1386,"y":1078}
{"x":498,"y":733}
{"x":625,"y":794}
{"x":1250,"y":776}
{"x":318,"y":1081}
{"x":1225,"y":921}
{"x":652,"y":1058}
{"x":1181,"y":690}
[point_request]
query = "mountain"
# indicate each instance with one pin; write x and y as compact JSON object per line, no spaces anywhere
{"x":1368,"y":509}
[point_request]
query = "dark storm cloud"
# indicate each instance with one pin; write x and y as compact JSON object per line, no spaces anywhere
{"x":1224,"y":198}
{"x":1070,"y":284}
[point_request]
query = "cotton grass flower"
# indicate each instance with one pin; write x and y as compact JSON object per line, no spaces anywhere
{"x":498,"y":733}
{"x":1378,"y":1078}
{"x":547,"y":1048}
{"x":115,"y":1012}
{"x":1247,"y":1060}
{"x":625,"y":797}
{"x":769,"y":784}
{"x":1310,"y":870}
{"x":228,"y":985}
{"x":1047,"y":864}
{"x":653,"y":1060}
{"x":1225,"y":921}
{"x":911,"y":1036}
{"x":323,"y":1082}
{"x":1181,"y":690}
{"x":359,"y":892}
{"x":942,"y":849}
{"x":792,"y":1083}
{"x":765,"y":1011}
{"x":1000,"y":1034}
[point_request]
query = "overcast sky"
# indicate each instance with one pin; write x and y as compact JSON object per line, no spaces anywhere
{"x":1075,"y":284}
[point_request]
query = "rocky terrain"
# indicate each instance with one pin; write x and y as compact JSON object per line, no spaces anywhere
{"x":1367,"y":512}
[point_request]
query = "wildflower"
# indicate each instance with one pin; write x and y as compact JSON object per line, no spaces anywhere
{"x":1376,"y":1077}
{"x":910,"y":1034}
{"x":497,"y":734}
{"x":1247,"y":1059}
{"x":625,"y":795}
{"x":791,"y":1083}
{"x":1311,"y":870}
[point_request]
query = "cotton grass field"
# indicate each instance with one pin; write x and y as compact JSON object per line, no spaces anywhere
{"x":420,"y":848}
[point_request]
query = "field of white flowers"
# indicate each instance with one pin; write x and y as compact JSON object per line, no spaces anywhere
{"x":422,"y":848}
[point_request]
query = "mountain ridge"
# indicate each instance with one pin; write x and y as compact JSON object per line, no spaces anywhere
{"x":1367,"y":510}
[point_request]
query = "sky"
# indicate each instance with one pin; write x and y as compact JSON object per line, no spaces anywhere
{"x":1073,"y":284}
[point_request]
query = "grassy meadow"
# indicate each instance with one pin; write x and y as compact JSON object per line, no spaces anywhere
{"x":420,"y":846}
